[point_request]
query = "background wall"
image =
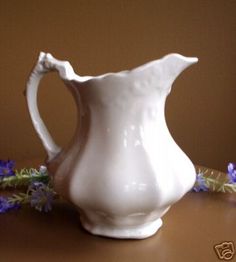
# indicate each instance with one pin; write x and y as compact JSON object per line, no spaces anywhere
{"x":111,"y":35}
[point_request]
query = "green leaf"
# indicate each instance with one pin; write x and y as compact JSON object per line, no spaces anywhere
{"x":20,"y":198}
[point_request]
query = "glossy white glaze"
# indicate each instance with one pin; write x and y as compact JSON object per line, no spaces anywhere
{"x":122,"y":169}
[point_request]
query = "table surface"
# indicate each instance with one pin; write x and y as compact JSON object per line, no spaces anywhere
{"x":190,"y":230}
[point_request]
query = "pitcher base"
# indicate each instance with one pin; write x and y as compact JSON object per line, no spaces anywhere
{"x":131,"y":232}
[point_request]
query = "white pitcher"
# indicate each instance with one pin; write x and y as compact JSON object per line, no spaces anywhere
{"x":122,"y":169}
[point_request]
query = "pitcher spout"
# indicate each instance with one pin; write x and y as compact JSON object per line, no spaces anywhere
{"x":174,"y":64}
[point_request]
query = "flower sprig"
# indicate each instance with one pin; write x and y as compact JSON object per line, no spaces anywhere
{"x":38,"y":187}
{"x":216,"y":183}
{"x":38,"y":195}
{"x":24,"y":177}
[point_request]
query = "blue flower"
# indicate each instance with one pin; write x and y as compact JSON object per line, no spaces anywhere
{"x":7,"y":168}
{"x":41,"y":196}
{"x":5,"y":206}
{"x":232,"y":172}
{"x":200,"y":184}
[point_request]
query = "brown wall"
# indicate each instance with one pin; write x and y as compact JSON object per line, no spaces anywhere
{"x":98,"y":36}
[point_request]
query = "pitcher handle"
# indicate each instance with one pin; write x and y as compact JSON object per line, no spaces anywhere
{"x":46,"y":63}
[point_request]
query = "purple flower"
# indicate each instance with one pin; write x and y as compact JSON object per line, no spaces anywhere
{"x":5,"y":206}
{"x":41,"y":196}
{"x":232,"y":172}
{"x":200,"y":184}
{"x":7,"y":168}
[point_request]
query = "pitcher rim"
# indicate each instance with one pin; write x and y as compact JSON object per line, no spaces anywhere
{"x":124,"y":73}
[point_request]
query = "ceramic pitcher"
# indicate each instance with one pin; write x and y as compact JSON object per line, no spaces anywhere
{"x":122,"y":169}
